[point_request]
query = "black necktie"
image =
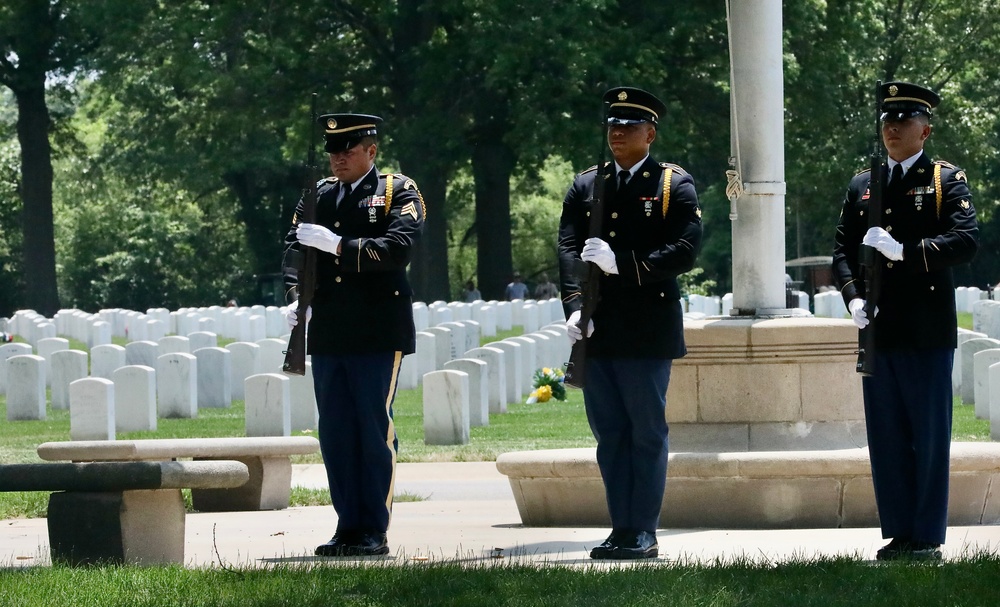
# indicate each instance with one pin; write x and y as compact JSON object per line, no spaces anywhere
{"x":623,"y":176}
{"x":897,"y":174}
{"x":345,"y":191}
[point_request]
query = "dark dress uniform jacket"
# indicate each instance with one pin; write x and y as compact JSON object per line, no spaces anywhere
{"x":363,"y":300}
{"x":931,"y":213}
{"x":654,"y":229}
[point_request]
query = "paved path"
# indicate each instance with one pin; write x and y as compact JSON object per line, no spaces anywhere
{"x":468,"y":513}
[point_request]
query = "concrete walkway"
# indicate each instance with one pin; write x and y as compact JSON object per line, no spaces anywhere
{"x":468,"y":514}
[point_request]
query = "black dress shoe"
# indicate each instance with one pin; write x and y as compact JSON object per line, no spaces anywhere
{"x":907,"y":550}
{"x":607,"y":548}
{"x":368,"y":544}
{"x":338,"y":544}
{"x":637,"y":545}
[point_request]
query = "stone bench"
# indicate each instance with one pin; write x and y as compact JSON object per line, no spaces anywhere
{"x":266,"y":457}
{"x":747,"y":490}
{"x":119,"y":512}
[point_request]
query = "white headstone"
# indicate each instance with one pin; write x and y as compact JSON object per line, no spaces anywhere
{"x":272,"y":354}
{"x":174,"y":343}
{"x":67,"y":367}
{"x":426,"y":354}
{"x":421,"y":316}
{"x":981,"y":363}
{"x":202,"y":339}
{"x":45,"y":348}
{"x":92,"y":409}
{"x":215,"y":377}
{"x":135,"y":398}
{"x":245,"y":362}
{"x":446,"y":408}
{"x":408,"y":376}
{"x":274,"y":323}
{"x":25,"y":387}
{"x":529,"y":317}
{"x":268,"y":405}
{"x":8,"y":351}
{"x":106,"y":359}
{"x":531,"y":358}
{"x":495,"y":360}
{"x":968,"y":350}
{"x":486,"y":316}
{"x":479,"y":383}
{"x":100,"y":334}
{"x":504,"y":316}
{"x":443,"y":345}
{"x":142,"y":353}
{"x":964,"y":335}
{"x":177,"y":385}
{"x":515,"y":368}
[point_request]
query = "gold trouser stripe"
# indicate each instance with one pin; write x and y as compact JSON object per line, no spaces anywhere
{"x":390,"y":435}
{"x":667,"y":175}
{"x":937,"y":188}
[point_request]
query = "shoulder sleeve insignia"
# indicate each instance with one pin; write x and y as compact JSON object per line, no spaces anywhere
{"x":409,"y":185}
{"x":945,"y":163}
{"x":589,"y":169}
{"x":964,"y":204}
{"x":863,"y":171}
{"x":960,"y":176}
{"x":409,"y":209}
{"x":697,"y":211}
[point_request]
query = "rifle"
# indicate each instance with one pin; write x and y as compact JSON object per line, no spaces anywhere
{"x":871,"y":261}
{"x":295,"y":355}
{"x":575,"y":368}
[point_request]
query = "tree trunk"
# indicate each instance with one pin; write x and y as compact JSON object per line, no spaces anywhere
{"x":41,"y":293}
{"x":492,"y":165}
{"x":429,"y":264}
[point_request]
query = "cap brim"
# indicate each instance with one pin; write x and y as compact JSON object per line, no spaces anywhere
{"x":612,"y":121}
{"x":898,"y":115}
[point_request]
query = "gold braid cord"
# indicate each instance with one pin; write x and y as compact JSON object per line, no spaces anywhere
{"x":388,"y":192}
{"x":937,"y":188}
{"x":667,"y":176}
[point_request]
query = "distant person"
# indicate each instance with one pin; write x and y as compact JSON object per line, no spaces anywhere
{"x":361,"y":326}
{"x":516,"y":289}
{"x":546,"y":289}
{"x":232,"y":303}
{"x":651,"y":235}
{"x":927,"y":226}
{"x":470,"y":293}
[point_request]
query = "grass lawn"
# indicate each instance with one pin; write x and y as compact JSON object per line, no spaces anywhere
{"x":822,"y":583}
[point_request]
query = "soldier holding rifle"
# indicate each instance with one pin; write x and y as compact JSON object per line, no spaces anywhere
{"x":650,"y":232}
{"x":926,"y":226}
{"x":360,"y":324}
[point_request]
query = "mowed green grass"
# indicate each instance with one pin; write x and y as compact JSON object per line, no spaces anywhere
{"x":839,"y":582}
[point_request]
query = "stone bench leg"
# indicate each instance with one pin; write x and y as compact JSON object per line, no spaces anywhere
{"x":116,"y":527}
{"x":269,"y":487}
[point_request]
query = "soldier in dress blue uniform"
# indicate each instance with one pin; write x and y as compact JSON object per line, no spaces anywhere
{"x":928,"y":225}
{"x":651,"y":234}
{"x":360,"y":324}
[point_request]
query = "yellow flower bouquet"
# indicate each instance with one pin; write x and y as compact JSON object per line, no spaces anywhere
{"x":548,"y":384}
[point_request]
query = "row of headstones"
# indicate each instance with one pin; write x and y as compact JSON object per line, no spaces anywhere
{"x":463,"y":392}
{"x":976,"y":376}
{"x":182,"y":382}
{"x":830,"y":304}
{"x":264,"y":356}
{"x":702,"y":306}
{"x":99,"y":408}
{"x":242,"y":324}
{"x":258,"y":322}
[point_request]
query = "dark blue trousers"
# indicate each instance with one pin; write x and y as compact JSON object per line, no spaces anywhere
{"x":908,"y":410}
{"x":626,"y":403}
{"x":357,"y":438}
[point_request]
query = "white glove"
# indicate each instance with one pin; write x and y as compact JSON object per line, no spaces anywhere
{"x":885,"y":244}
{"x":858,"y":314}
{"x":318,"y":237}
{"x":573,"y":331}
{"x":292,"y":314}
{"x":599,"y":252}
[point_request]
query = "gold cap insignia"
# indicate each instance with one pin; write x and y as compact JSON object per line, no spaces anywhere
{"x":965,"y":205}
{"x":960,"y":176}
{"x":622,"y":96}
{"x":331,"y":123}
{"x":893,"y":90}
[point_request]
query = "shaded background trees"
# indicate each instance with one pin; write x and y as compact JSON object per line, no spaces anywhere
{"x":177,"y":131}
